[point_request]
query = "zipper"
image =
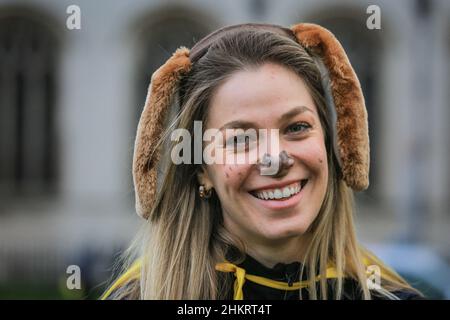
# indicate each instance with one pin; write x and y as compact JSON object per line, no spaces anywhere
{"x":290,"y":279}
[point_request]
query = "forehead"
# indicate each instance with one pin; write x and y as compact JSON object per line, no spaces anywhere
{"x":260,"y":95}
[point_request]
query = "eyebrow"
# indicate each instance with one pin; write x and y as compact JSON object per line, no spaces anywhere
{"x":241,"y":124}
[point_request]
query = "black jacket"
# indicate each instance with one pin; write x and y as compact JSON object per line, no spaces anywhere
{"x":287,"y":273}
{"x":290,"y":273}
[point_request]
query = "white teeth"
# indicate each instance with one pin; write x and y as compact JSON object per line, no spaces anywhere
{"x":277,"y":193}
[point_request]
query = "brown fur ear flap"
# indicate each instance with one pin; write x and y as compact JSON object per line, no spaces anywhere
{"x":351,"y":122}
{"x":163,"y":85}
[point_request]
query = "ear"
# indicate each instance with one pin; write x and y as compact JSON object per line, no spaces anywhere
{"x":163,"y":85}
{"x":351,"y":123}
{"x":203,"y":178}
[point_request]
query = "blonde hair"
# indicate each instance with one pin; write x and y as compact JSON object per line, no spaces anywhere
{"x":184,"y":236}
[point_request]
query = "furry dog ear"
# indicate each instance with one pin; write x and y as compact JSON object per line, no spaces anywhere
{"x":163,"y":85}
{"x":351,"y":115}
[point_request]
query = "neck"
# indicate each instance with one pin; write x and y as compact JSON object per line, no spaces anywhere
{"x":269,"y":252}
{"x":280,"y":251}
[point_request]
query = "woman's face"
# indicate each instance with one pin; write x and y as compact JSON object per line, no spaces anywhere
{"x":269,"y":97}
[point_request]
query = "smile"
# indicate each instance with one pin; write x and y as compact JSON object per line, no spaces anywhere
{"x":283,"y":193}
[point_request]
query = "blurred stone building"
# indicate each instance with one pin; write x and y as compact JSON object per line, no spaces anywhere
{"x":70,"y":101}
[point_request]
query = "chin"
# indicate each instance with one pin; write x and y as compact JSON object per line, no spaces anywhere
{"x":282,"y":231}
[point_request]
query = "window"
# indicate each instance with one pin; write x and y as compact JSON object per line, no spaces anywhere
{"x":28,"y":152}
{"x":158,"y":40}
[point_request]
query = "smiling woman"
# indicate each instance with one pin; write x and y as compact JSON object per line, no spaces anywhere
{"x":263,"y":95}
{"x":226,"y":230}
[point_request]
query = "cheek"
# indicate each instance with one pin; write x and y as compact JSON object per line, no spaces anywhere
{"x":313,"y":154}
{"x":228,"y":178}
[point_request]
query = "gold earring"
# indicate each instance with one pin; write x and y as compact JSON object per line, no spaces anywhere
{"x":204,"y":193}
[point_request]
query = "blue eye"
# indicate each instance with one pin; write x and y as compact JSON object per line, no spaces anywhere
{"x":235,"y":141}
{"x":298,"y":127}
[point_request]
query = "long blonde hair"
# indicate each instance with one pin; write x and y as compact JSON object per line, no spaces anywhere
{"x":184,"y":236}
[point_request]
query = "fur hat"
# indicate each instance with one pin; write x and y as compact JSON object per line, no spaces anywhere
{"x":345,"y":98}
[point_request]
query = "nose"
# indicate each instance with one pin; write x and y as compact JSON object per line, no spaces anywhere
{"x":275,"y":166}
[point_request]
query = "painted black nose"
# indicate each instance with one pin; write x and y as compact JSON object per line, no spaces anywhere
{"x":270,"y":166}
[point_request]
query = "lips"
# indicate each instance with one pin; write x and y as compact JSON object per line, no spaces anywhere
{"x":280,"y":193}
